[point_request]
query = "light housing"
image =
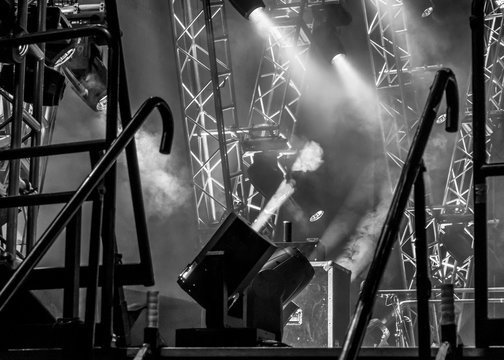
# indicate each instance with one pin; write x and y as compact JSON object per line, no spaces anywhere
{"x":54,"y":84}
{"x":284,"y":276}
{"x":243,"y":280}
{"x":246,"y":7}
{"x":87,"y":74}
{"x":327,"y":21}
{"x":265,"y":174}
{"x":245,"y":252}
{"x":56,"y":52}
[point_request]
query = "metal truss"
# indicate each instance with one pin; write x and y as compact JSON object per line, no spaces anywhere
{"x":391,"y":62}
{"x":394,"y":80}
{"x":394,"y":76}
{"x":279,"y":81}
{"x":211,"y":124}
{"x":457,"y":197}
{"x":280,"y":78}
{"x":457,"y":204}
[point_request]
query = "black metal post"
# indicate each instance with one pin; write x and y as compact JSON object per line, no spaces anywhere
{"x":109,"y":202}
{"x":31,"y":226}
{"x":479,"y":158}
{"x":16,"y":134}
{"x":422,"y":272}
{"x":131,"y":156}
{"x":93,"y":264}
{"x":219,"y":117}
{"x":72,"y":267}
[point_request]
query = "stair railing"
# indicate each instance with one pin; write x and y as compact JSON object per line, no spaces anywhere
{"x":18,"y":278}
{"x":411,"y":175}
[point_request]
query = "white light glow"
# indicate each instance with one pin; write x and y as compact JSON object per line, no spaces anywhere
{"x":264,"y":25}
{"x":284,"y":191}
{"x":337,"y":58}
{"x":360,"y":94}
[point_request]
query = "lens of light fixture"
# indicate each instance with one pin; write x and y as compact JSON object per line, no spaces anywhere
{"x":337,"y":58}
{"x":428,"y":11}
{"x":317,"y":216}
{"x":246,"y":7}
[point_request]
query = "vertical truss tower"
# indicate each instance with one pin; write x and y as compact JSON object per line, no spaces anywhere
{"x":208,"y":99}
{"x":279,"y":81}
{"x":457,"y":201}
{"x":393,"y":72}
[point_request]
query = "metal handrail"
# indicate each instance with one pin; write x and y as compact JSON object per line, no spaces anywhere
{"x":413,"y":166}
{"x":19,"y":277}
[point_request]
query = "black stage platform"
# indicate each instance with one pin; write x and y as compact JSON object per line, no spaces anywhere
{"x":251,"y":353}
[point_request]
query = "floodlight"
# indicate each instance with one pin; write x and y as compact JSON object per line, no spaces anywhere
{"x":420,"y":8}
{"x":56,"y":52}
{"x":327,"y":20}
{"x":54,"y":84}
{"x":246,"y":7}
{"x":87,"y":74}
{"x":244,"y":251}
{"x":284,"y":276}
{"x":265,"y":173}
{"x":243,"y":281}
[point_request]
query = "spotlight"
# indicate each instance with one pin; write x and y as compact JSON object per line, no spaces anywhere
{"x":244,"y":254}
{"x":88,"y":75}
{"x":284,"y":276}
{"x":327,"y":20}
{"x":420,"y":8}
{"x":246,"y":7}
{"x":265,"y":173}
{"x":54,"y":84}
{"x":244,"y":282}
{"x":57,"y":52}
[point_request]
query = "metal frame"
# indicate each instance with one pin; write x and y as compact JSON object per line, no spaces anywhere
{"x":99,"y":186}
{"x":393,"y":75}
{"x":279,"y":82}
{"x":208,"y":102}
{"x":486,"y":99}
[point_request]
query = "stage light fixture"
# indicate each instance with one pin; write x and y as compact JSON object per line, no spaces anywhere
{"x":420,"y":8}
{"x":244,"y":254}
{"x":327,"y":21}
{"x":265,"y":174}
{"x":246,"y":7}
{"x":284,"y":276}
{"x":243,"y":281}
{"x":56,"y":52}
{"x":54,"y":84}
{"x":87,"y":74}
